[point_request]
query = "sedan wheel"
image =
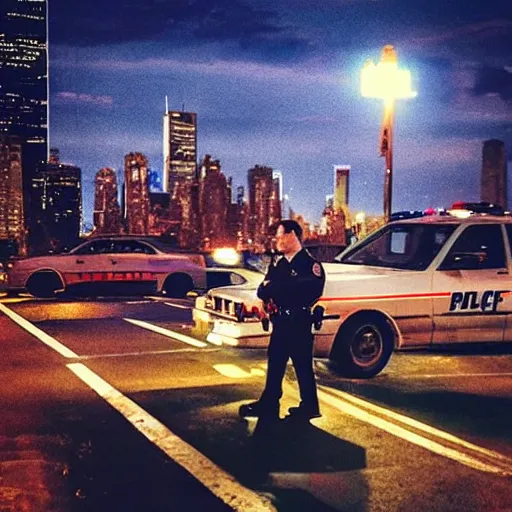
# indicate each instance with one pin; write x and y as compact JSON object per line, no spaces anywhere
{"x":363,"y":347}
{"x":44,"y":284}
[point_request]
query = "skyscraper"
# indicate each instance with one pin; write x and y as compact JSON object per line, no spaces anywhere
{"x":261,"y":186}
{"x":24,"y":86}
{"x":214,"y":204}
{"x":106,"y":205}
{"x":136,"y":189}
{"x":276,"y":198}
{"x":11,"y":199}
{"x":56,"y":207}
{"x":179,"y":147}
{"x":494,"y":173}
{"x":341,"y":177}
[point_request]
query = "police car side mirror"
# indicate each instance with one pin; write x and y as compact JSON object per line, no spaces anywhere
{"x":464,"y":261}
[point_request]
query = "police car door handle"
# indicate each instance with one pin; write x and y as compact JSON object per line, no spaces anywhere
{"x":500,"y":272}
{"x":80,"y":262}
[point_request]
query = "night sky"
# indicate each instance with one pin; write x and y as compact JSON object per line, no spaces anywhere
{"x":277,"y":83}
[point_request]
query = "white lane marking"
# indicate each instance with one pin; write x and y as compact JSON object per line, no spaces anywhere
{"x":38,"y":333}
{"x":417,"y":425}
{"x":147,"y":353}
{"x":156,"y":299}
{"x":14,"y":300}
{"x":411,"y":437}
{"x":166,"y":332}
{"x":453,"y":375}
{"x":220,"y":339}
{"x":179,"y":306}
{"x":231,"y":370}
{"x":215,"y":479}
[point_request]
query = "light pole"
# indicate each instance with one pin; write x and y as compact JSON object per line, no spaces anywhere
{"x":389,"y":83}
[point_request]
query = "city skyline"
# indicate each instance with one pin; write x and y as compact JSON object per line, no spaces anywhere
{"x":279,"y":87}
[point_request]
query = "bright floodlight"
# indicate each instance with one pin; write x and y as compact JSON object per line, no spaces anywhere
{"x":385,"y":80}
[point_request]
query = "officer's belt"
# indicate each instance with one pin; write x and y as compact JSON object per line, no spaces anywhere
{"x":282,"y":311}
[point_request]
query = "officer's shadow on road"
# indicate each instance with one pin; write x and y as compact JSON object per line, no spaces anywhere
{"x":304,"y":463}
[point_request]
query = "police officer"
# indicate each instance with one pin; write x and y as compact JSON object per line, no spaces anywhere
{"x":292,"y":285}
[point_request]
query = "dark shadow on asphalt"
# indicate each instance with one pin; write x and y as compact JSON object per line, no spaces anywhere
{"x":289,"y":445}
{"x":301,"y":464}
{"x":282,"y":451}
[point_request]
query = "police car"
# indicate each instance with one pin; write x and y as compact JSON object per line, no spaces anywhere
{"x":412,"y":284}
{"x":110,"y":265}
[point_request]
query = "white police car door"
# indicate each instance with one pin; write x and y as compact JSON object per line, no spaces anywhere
{"x":130,"y":260}
{"x":470,"y":287}
{"x":88,"y":262}
{"x":507,"y":302}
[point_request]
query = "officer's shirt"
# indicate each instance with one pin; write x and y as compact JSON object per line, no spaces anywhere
{"x":294,"y":284}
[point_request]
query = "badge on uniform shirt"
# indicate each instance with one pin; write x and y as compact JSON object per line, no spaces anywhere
{"x":317,"y":270}
{"x":293,"y":273}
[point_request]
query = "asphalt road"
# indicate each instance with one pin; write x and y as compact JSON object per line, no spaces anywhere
{"x":106,"y":407}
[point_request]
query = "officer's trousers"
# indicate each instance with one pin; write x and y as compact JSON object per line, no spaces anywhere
{"x":291,"y":338}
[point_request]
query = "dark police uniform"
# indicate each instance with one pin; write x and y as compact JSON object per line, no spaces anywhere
{"x":293,"y":287}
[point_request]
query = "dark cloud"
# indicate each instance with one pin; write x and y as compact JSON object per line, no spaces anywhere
{"x":177,"y":22}
{"x":494,"y":81}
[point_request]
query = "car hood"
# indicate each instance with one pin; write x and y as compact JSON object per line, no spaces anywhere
{"x":346,"y":280}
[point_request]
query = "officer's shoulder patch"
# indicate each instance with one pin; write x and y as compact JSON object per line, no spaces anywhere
{"x":276,"y":260}
{"x":317,"y":269}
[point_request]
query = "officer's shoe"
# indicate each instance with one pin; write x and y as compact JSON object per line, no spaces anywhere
{"x":258,"y":410}
{"x":303,"y":413}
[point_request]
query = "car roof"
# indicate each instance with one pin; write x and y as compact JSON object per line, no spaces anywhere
{"x":451,"y":219}
{"x":156,"y":240}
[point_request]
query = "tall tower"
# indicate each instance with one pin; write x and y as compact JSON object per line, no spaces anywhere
{"x":24,"y":86}
{"x":11,"y":199}
{"x":276,"y":198}
{"x":106,"y":204}
{"x":494,"y":173}
{"x":56,"y":207}
{"x":341,"y":177}
{"x":179,"y":147}
{"x":136,"y":188}
{"x":214,"y":204}
{"x":261,"y":186}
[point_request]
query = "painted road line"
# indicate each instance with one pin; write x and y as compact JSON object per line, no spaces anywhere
{"x":454,"y":375}
{"x":147,"y":353}
{"x":38,"y":333}
{"x":14,"y":300}
{"x":166,"y":332}
{"x":496,"y":467}
{"x":418,"y":425}
{"x":232,"y":370}
{"x":179,"y":306}
{"x":215,"y":479}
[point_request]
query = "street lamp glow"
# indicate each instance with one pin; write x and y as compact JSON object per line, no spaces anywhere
{"x":387,"y":82}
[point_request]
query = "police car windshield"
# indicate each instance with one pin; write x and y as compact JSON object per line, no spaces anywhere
{"x":402,"y":246}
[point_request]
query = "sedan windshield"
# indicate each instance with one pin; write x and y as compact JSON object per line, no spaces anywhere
{"x":403,"y":246}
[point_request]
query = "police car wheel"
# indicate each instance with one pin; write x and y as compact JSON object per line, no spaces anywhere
{"x":363,"y":347}
{"x":178,"y":285}
{"x":44,"y":284}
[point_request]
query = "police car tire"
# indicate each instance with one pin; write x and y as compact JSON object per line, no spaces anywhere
{"x":178,"y":285}
{"x":342,"y":355}
{"x":44,"y":284}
